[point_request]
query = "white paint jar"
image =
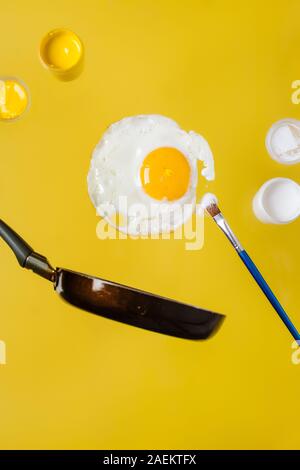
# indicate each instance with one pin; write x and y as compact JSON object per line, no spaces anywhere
{"x":283,"y":141}
{"x":277,"y":201}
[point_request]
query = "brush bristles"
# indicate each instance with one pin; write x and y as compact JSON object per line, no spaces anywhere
{"x":213,"y":209}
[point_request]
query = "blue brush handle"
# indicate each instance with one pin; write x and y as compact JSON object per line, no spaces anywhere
{"x":269,"y":294}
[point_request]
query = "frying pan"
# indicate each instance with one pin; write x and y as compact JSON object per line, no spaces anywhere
{"x":115,"y":301}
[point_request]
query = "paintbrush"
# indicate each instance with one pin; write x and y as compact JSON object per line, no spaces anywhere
{"x":209,"y":203}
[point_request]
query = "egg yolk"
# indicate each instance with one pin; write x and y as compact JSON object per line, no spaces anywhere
{"x":13,"y":99}
{"x":62,"y":50}
{"x":165,"y":174}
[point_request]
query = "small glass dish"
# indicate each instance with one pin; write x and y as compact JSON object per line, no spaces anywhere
{"x":15,"y":98}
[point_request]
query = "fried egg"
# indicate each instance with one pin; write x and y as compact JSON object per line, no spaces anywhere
{"x":144,"y":171}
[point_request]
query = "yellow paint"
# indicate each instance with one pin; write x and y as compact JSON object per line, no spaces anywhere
{"x":13,"y":99}
{"x":61,"y":51}
{"x":165,"y":174}
{"x":74,"y":380}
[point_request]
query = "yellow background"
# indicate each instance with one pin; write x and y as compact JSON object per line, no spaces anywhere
{"x":74,"y":380}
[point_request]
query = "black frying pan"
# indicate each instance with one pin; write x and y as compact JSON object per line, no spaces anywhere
{"x":116,"y":301}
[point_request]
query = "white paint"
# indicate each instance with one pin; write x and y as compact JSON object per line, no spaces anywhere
{"x":114,"y":182}
{"x":277,"y":201}
{"x":207,"y":200}
{"x":283,"y":141}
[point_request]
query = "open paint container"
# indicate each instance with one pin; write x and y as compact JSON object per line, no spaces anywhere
{"x":14,"y":98}
{"x":61,"y":52}
{"x":283,"y":141}
{"x":277,"y":201}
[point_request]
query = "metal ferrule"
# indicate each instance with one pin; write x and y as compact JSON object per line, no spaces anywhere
{"x":41,"y":266}
{"x":221,"y":222}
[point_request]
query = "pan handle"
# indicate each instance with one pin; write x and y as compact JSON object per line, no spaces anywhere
{"x":26,"y":256}
{"x":20,"y":248}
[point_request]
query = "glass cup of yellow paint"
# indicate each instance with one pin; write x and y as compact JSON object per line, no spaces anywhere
{"x":14,"y":98}
{"x":61,"y":52}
